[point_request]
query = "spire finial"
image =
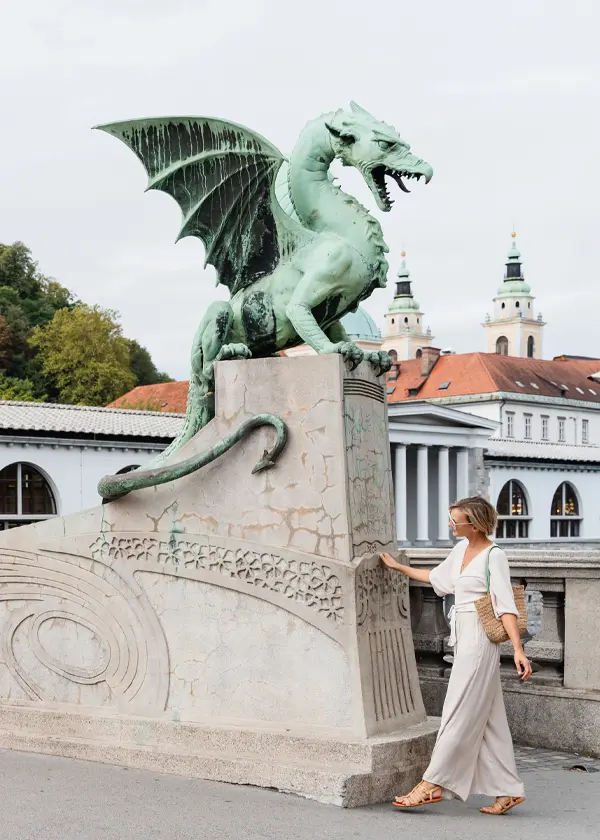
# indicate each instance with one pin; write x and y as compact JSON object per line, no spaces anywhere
{"x":514,"y":235}
{"x":403,"y":254}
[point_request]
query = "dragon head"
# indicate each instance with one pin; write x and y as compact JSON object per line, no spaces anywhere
{"x":376,"y":150}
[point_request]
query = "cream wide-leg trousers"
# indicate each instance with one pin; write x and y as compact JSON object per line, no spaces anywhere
{"x":474,"y":753}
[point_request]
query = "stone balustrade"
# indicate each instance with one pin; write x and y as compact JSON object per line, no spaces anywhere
{"x":559,"y":708}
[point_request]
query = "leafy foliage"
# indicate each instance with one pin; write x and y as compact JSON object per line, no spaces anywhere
{"x":22,"y":390}
{"x":83,"y":351}
{"x":142,"y":366}
{"x":53,"y":347}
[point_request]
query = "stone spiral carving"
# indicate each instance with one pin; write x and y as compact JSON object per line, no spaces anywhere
{"x":131,"y":655}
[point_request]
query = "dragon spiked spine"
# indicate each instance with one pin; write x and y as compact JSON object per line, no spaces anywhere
{"x":294,"y":250}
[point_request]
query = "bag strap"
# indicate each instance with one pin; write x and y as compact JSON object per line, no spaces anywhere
{"x":487,"y":569}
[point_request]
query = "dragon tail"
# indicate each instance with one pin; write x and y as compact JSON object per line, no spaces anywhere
{"x":113,"y":487}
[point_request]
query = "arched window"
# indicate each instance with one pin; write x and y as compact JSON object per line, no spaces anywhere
{"x":130,"y":468}
{"x":406,"y":320}
{"x":517,"y":304}
{"x":565,"y":515}
{"x":393,"y":354}
{"x":502,"y":346}
{"x":25,"y":496}
{"x":513,"y":512}
{"x":530,"y":347}
{"x":418,"y":354}
{"x":503,"y":306}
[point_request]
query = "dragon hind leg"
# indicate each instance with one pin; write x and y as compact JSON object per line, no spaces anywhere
{"x":210,"y":345}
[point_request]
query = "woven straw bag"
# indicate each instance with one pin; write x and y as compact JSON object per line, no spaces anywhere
{"x":493,"y":626}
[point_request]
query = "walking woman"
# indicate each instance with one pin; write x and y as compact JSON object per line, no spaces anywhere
{"x":473,"y":752}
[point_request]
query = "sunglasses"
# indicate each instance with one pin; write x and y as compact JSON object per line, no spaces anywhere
{"x":456,"y":524}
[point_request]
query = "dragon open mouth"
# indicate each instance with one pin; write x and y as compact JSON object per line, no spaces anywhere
{"x":378,"y":177}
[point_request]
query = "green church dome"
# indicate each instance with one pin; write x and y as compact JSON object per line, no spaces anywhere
{"x":360,"y":326}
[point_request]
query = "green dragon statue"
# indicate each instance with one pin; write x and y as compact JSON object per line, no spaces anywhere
{"x":294,"y":250}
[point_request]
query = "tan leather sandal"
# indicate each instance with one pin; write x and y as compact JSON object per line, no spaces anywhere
{"x":419,"y":795}
{"x":502,"y":805}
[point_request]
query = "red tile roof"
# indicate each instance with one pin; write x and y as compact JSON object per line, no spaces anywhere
{"x":486,"y":373}
{"x":466,"y":373}
{"x":166,"y":396}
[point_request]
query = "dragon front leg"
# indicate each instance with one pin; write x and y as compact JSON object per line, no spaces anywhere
{"x":323,"y":275}
{"x":307,"y":328}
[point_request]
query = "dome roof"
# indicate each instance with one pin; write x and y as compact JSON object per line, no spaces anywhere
{"x":514,"y":288}
{"x":360,"y":325}
{"x":404,"y":303}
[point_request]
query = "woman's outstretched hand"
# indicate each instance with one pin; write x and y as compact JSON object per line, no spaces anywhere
{"x":415,"y":574}
{"x":389,"y":561}
{"x":523,"y":664}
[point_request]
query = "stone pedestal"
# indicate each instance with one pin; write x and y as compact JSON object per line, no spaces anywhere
{"x":228,"y":625}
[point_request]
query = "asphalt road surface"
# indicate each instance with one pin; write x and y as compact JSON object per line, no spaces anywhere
{"x":48,"y":798}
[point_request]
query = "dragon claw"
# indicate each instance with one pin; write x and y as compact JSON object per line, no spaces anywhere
{"x":351,"y":353}
{"x":380,"y":360}
{"x":233,"y":351}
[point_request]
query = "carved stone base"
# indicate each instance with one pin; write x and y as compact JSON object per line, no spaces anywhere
{"x":345,"y":772}
{"x":247,"y":600}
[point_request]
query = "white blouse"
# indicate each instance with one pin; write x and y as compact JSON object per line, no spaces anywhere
{"x":467,"y":587}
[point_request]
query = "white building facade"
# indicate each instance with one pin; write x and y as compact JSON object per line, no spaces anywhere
{"x":437,"y":457}
{"x":545,"y":458}
{"x":52,"y":456}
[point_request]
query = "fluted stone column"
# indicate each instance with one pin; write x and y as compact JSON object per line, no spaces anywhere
{"x":462,"y":473}
{"x":443,"y":493}
{"x":400,"y":491}
{"x":422,"y":496}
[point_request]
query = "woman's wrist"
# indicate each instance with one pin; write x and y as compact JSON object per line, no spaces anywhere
{"x":399,"y":567}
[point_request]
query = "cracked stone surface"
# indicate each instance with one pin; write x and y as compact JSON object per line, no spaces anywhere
{"x":237,"y":658}
{"x":249,"y":599}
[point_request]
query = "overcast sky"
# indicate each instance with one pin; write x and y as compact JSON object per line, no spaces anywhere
{"x":503,"y":99}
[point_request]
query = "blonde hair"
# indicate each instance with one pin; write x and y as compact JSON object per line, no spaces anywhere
{"x":480,"y":513}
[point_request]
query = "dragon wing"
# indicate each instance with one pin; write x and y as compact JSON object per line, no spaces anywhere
{"x":223,"y":177}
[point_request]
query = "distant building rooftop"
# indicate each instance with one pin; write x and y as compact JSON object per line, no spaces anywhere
{"x":53,"y":418}
{"x":471,"y":374}
{"x":168,"y":397}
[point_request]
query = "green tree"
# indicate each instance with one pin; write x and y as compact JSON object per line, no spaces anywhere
{"x":18,"y":270}
{"x":17,"y":352}
{"x":82,"y":350}
{"x":18,"y":389}
{"x":27,"y":299}
{"x":142,"y":366}
{"x":5,"y":340}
